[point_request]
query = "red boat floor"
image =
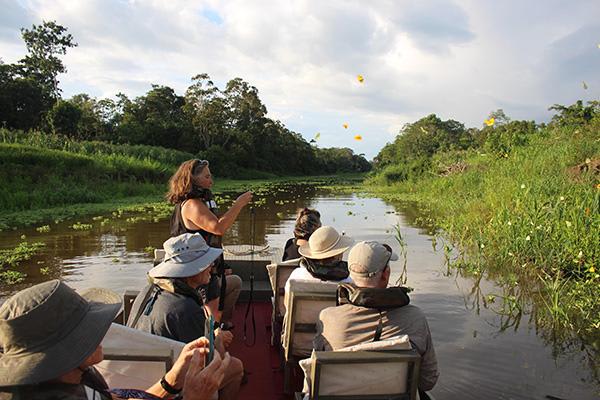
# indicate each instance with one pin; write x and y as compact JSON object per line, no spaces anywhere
{"x":261,"y":360}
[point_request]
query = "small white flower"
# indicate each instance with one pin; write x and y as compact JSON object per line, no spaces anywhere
{"x":522,"y":186}
{"x":528,"y":238}
{"x":568,"y":223}
{"x":562,"y":198}
{"x":580,"y":254}
{"x":482,"y":245}
{"x":509,"y":223}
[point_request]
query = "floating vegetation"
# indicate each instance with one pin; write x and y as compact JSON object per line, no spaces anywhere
{"x":12,"y":277}
{"x":43,"y":229}
{"x":78,"y":226}
{"x":24,"y":251}
{"x":149,"y":250}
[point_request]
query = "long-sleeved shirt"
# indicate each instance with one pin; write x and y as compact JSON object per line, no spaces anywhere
{"x":349,"y":325}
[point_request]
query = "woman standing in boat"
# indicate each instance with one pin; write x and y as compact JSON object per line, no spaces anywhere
{"x":196,"y":212}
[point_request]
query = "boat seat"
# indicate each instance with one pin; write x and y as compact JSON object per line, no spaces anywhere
{"x":278,"y":276}
{"x":388,"y":369}
{"x":159,"y":255}
{"x":134,"y":359}
{"x":303,"y":302}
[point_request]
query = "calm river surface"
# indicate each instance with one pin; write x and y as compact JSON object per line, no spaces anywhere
{"x":477,"y":359}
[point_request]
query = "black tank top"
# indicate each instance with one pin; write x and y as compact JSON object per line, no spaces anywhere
{"x":178,"y":226}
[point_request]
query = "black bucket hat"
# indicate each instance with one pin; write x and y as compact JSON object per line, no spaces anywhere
{"x":48,"y":330}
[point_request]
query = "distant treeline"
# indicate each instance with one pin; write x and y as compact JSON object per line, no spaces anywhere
{"x":228,"y":126}
{"x":432,"y":146}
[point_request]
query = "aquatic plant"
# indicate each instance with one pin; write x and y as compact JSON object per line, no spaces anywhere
{"x":11,"y":277}
{"x":78,"y":226}
{"x":22,"y":252}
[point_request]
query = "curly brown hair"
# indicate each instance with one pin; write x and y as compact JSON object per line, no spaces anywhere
{"x":182,"y":181}
{"x":307,"y":221}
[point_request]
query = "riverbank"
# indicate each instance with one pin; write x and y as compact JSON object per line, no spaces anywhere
{"x":529,"y":220}
{"x":154,"y":200}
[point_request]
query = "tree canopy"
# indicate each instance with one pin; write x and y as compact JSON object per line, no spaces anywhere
{"x":228,"y":126}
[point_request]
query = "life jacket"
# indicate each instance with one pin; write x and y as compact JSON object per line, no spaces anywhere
{"x":336,"y":271}
{"x":376,"y":298}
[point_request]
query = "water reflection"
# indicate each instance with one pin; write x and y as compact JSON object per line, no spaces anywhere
{"x":486,"y":345}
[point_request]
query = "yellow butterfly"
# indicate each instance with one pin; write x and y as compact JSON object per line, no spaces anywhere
{"x":318,"y":135}
{"x":360,"y":78}
{"x":345,"y":125}
{"x":357,"y":137}
{"x":490,"y":122}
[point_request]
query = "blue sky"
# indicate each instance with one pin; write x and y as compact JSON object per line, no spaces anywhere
{"x":458,"y":59}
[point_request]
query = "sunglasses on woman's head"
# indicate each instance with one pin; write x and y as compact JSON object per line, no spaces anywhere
{"x":199,"y":163}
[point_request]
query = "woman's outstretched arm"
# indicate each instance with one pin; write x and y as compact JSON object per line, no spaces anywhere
{"x":196,"y":212}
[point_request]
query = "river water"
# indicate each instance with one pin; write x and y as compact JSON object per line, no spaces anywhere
{"x":477,"y":357}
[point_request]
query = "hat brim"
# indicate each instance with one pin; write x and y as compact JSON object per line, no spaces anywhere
{"x":71,"y":351}
{"x":181,"y":267}
{"x":341,"y":246}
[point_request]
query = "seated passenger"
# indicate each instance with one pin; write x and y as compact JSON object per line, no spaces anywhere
{"x":381,"y":315}
{"x":171,"y":306}
{"x":51,"y":338}
{"x":307,"y":222}
{"x":322,"y":258}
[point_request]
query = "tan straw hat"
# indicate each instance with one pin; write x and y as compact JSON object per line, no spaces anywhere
{"x":48,"y":330}
{"x":325,"y":242}
{"x":185,"y":255}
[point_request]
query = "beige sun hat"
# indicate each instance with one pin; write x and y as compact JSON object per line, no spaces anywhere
{"x":185,"y":255}
{"x":48,"y":330}
{"x":325,"y":242}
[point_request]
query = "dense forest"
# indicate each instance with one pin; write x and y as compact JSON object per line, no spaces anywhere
{"x":228,"y":126}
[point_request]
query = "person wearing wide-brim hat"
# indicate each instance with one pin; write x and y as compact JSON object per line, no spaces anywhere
{"x":171,"y":305}
{"x":322,"y":257}
{"x":51,"y":337}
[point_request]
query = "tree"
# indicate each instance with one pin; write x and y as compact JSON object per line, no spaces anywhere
{"x":206,"y":109}
{"x":91,"y":125}
{"x":576,"y":114}
{"x":21,"y":100}
{"x":64,"y":118}
{"x":44,"y":44}
{"x":156,"y":119}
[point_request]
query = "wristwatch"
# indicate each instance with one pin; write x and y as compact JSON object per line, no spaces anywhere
{"x":168,"y":388}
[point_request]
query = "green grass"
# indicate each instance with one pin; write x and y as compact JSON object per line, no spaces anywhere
{"x":525,"y":222}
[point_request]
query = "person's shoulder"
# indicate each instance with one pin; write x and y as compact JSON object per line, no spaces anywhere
{"x":409,"y":311}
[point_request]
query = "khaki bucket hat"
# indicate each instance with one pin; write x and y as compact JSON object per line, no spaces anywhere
{"x":325,"y":242}
{"x":185,"y":255}
{"x":48,"y":330}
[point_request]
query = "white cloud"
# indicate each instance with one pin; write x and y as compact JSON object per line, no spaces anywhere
{"x":458,"y":59}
